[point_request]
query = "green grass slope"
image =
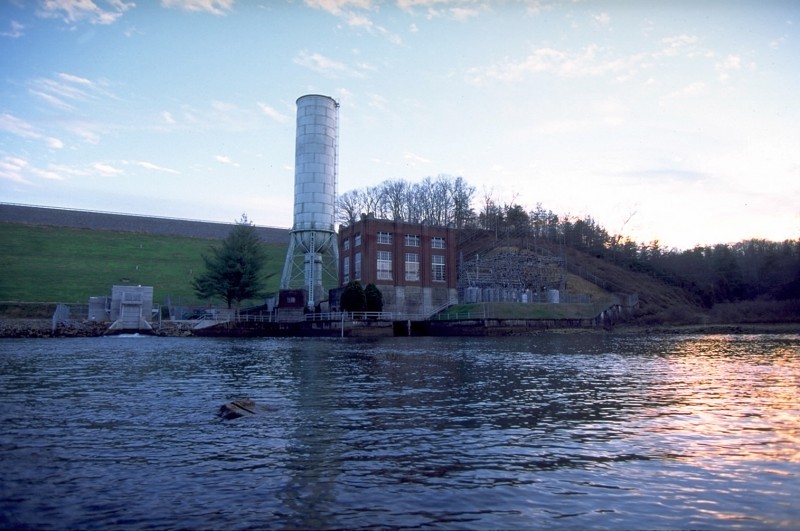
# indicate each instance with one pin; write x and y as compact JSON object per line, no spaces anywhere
{"x":55,"y":264}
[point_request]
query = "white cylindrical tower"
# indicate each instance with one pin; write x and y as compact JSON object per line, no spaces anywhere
{"x":315,"y":163}
{"x":312,"y":257}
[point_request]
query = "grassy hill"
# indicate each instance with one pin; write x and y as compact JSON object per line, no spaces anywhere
{"x":55,"y":264}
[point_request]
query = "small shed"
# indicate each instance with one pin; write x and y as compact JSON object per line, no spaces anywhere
{"x":131,"y":308}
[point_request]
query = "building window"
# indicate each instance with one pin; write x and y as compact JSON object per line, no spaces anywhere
{"x":384,"y":265}
{"x":412,"y":240}
{"x":357,"y":267}
{"x":437,"y":243}
{"x":412,"y":266}
{"x":438,"y":268}
{"x":385,"y":238}
{"x":347,"y":244}
{"x":357,"y":239}
{"x":346,"y":269}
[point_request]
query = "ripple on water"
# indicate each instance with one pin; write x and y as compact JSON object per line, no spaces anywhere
{"x":546,"y":431}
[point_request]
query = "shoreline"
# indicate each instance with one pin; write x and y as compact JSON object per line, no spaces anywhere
{"x":43,"y":328}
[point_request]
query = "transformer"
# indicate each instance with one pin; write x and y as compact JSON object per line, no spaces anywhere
{"x":312,"y":258}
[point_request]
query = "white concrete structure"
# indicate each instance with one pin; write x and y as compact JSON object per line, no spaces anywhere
{"x":312,"y":257}
{"x":131,"y":308}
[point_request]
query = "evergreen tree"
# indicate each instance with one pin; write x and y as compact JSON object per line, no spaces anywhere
{"x":374,"y":298}
{"x":353,"y":297}
{"x":233,"y":270}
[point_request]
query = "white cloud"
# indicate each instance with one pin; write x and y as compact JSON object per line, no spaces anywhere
{"x":72,"y":170}
{"x":52,"y":100}
{"x":602,"y":20}
{"x":360,"y":21}
{"x":88,"y":132}
{"x":215,"y":7}
{"x":463,"y":13}
{"x":409,"y":4}
{"x":23,"y":129}
{"x":224,"y":159}
{"x":106,"y":170}
{"x":413,"y":159}
{"x":167,"y":116}
{"x":71,"y":11}
{"x":325,"y":65}
{"x":46,"y":174}
{"x":15,"y":32}
{"x":272,"y":113}
{"x":19,"y":127}
{"x":155,"y":167}
{"x":66,"y":91}
{"x":11,"y":169}
{"x":676,"y":45}
{"x":19,"y":170}
{"x":587,"y":62}
{"x":595,"y":60}
{"x":337,"y":7}
{"x":75,"y":79}
{"x":534,"y":7}
{"x":353,"y":13}
{"x":727,"y":65}
{"x":54,"y":143}
{"x":459,"y":10}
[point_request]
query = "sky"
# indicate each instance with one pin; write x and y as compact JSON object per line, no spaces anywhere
{"x":675,"y":121}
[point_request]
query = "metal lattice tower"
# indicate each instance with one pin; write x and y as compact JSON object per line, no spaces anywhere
{"x":312,"y":259}
{"x":508,"y":270}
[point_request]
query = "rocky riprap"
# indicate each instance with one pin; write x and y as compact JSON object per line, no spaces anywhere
{"x":38,"y":328}
{"x":44,"y":328}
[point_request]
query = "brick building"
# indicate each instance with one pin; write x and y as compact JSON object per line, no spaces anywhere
{"x":412,"y":264}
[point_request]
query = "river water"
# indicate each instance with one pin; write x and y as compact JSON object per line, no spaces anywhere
{"x":553,"y":430}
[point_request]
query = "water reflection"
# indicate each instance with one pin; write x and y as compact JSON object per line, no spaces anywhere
{"x":735,"y":400}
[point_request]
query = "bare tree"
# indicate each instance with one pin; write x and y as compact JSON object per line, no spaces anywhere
{"x":461,"y":194}
{"x":396,"y":200}
{"x":349,"y":207}
{"x":374,"y":200}
{"x":439,"y":201}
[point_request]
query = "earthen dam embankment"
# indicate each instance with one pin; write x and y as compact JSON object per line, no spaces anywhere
{"x":86,"y":219}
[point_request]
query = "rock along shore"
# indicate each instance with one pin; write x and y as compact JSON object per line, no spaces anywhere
{"x":41,"y":328}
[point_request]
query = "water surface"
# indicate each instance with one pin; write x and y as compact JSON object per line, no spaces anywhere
{"x":553,"y":430}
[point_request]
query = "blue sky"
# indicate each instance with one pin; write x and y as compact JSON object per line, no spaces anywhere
{"x":674,"y":120}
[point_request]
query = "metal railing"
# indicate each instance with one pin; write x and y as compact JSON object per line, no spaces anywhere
{"x":365,"y":316}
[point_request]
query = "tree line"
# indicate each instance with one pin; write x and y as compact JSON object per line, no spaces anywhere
{"x":442,"y":201}
{"x":749,"y":270}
